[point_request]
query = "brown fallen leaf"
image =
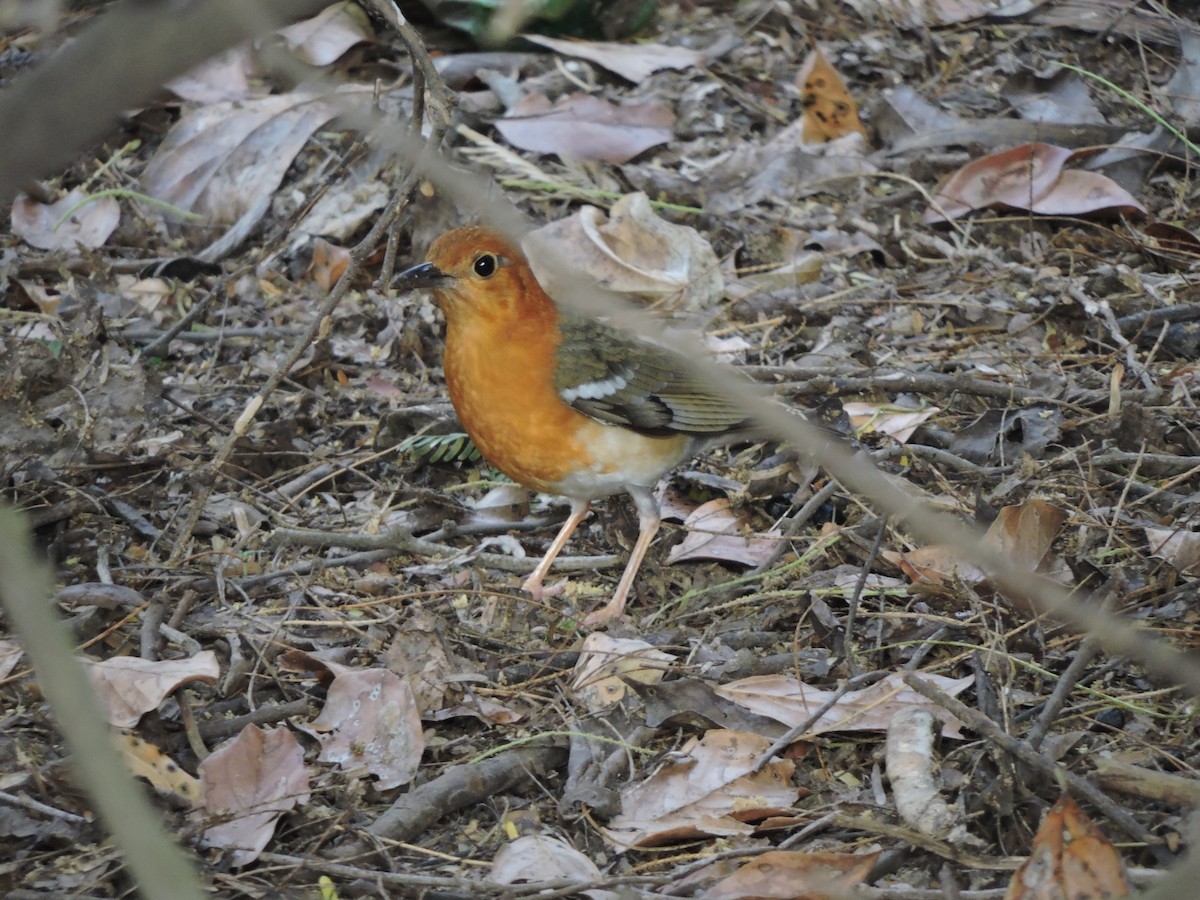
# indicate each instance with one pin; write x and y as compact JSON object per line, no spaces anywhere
{"x":633,"y":62}
{"x":1070,"y":859}
{"x":829,"y":110}
{"x":1016,"y":177}
{"x":586,"y":128}
{"x":1021,"y":534}
{"x":1081,"y":193}
{"x":710,"y":787}
{"x":248,"y":784}
{"x":795,"y":875}
{"x":1029,"y":177}
{"x":370,"y":723}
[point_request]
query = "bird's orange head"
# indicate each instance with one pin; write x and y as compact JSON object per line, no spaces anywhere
{"x":476,"y":274}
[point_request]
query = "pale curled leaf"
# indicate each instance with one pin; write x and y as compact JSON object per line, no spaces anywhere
{"x":539,"y":857}
{"x":10,"y":654}
{"x":225,"y":161}
{"x":634,"y":62}
{"x":71,"y":221}
{"x":586,"y":128}
{"x":1178,"y":547}
{"x":632,"y":251}
{"x":130,"y":687}
{"x":884,"y":418}
{"x":790,"y":701}
{"x":322,"y":39}
{"x":717,"y":531}
{"x":606,"y":662}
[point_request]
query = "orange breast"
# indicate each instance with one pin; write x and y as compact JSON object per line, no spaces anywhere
{"x":501,"y":381}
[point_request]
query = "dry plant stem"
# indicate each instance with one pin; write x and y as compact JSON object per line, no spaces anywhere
{"x":74,"y":98}
{"x":1185,"y":312}
{"x":41,"y":808}
{"x":458,"y":787}
{"x":400,"y":541}
{"x":848,"y":645}
{"x":157,"y":864}
{"x":1087,"y":652}
{"x":910,"y":836}
{"x":160,"y":343}
{"x":1079,"y":787}
{"x":217,"y":729}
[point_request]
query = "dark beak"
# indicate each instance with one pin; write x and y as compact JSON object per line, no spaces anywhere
{"x":421,"y":277}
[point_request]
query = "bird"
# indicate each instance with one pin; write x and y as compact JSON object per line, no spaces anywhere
{"x":558,"y":402}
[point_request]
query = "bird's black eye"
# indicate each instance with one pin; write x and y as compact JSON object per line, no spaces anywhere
{"x":485,"y":265}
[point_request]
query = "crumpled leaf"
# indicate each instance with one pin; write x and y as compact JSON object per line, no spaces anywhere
{"x":632,"y":252}
{"x":73,"y":220}
{"x":1176,"y":546}
{"x":130,"y":687}
{"x":1071,"y":858}
{"x":370,"y":722}
{"x":605,"y":663}
{"x":792,"y":702}
{"x":1029,"y":177}
{"x":248,"y":784}
{"x":784,"y":167}
{"x":224,"y":162}
{"x":1014,"y":177}
{"x":323,"y":39}
{"x":886,"y":418}
{"x":1062,"y":97}
{"x":10,"y":655}
{"x":717,"y":531}
{"x":1002,"y":436}
{"x":633,"y":62}
{"x":795,"y":873}
{"x":1021,"y":534}
{"x":586,"y":128}
{"x":539,"y":857}
{"x":710,"y":787}
{"x":228,"y":76}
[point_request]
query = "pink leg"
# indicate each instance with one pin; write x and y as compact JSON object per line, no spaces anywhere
{"x":648,"y":522}
{"x":533,"y":584}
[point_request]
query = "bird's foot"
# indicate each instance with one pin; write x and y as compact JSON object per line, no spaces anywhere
{"x":605,"y":615}
{"x":539,"y":592}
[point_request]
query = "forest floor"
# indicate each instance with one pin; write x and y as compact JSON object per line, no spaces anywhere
{"x":291,"y":572}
